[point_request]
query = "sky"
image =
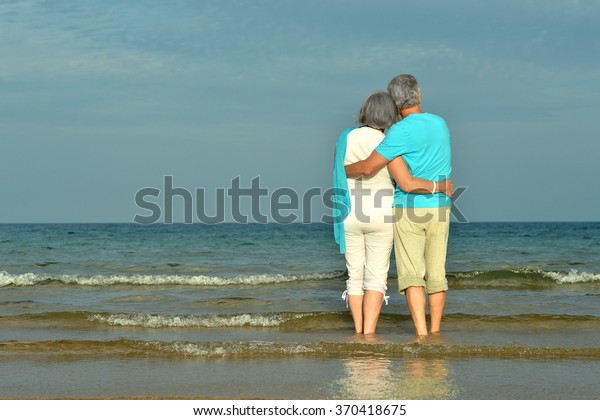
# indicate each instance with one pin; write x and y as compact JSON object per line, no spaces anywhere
{"x":102,"y":99}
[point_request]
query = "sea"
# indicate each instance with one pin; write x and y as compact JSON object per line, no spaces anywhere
{"x":254,"y":311}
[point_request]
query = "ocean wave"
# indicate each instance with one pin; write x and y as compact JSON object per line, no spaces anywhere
{"x":267,"y":349}
{"x":204,"y":321}
{"x":573,"y":276}
{"x":366,"y":349}
{"x":522,"y":278}
{"x":31,"y":279}
{"x":233,"y":350}
{"x":290,"y":322}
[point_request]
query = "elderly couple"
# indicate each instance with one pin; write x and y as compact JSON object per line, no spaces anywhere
{"x":395,"y":140}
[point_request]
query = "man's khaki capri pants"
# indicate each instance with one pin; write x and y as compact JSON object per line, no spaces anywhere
{"x":420,"y":244}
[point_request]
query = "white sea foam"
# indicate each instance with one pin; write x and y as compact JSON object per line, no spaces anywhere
{"x":573,"y":276}
{"x":27,"y":279}
{"x":30,"y":279}
{"x":205,"y":321}
{"x":234,"y":349}
{"x":467,"y":274}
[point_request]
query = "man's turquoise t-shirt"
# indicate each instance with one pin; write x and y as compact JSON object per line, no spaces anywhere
{"x":423,"y":140}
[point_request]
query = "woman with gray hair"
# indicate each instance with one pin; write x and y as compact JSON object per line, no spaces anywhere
{"x":363,"y":211}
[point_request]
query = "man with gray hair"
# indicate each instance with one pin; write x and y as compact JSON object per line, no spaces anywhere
{"x":421,"y":221}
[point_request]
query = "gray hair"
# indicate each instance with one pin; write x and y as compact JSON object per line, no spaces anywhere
{"x":404,"y":90}
{"x":379,"y":111}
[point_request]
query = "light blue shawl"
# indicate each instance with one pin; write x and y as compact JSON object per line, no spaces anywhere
{"x":341,"y":194}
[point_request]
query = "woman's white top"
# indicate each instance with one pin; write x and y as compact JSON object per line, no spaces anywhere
{"x":376,"y":193}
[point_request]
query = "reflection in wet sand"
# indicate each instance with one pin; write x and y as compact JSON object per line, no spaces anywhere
{"x":377,"y":377}
{"x":428,"y":379}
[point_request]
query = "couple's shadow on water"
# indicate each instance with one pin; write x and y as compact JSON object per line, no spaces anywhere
{"x":381,"y":369}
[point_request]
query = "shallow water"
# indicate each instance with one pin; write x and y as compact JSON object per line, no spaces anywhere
{"x":255,"y":311}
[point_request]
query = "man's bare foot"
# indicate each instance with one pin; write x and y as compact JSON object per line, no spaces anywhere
{"x":433,"y":338}
{"x":372,"y":338}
